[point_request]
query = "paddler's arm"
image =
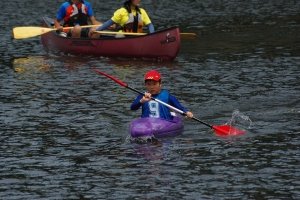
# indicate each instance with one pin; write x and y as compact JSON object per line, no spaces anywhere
{"x":140,"y":100}
{"x":94,"y":21}
{"x":58,"y":26}
{"x":175,"y":103}
{"x":150,"y":28}
{"x":136,"y":104}
{"x":147,"y":22}
{"x":106,"y":25}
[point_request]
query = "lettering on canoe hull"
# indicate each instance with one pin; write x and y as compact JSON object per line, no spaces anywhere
{"x":82,"y":43}
{"x":168,"y":39}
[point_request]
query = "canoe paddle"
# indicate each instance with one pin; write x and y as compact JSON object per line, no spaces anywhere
{"x":182,"y":35}
{"x":222,"y":130}
{"x":32,"y":31}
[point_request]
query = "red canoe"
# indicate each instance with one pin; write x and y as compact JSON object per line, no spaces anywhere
{"x":160,"y":45}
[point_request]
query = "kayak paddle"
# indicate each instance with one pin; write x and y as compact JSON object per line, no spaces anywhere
{"x":32,"y":31}
{"x":222,"y":130}
{"x":182,"y":35}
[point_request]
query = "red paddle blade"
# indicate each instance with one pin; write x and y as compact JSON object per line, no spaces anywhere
{"x":227,"y":130}
{"x":111,"y":77}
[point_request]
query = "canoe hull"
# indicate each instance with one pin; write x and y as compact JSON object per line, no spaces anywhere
{"x":161,"y":45}
{"x":157,"y":127}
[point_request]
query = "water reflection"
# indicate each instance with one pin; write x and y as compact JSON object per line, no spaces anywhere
{"x":161,"y":158}
{"x":30,"y":64}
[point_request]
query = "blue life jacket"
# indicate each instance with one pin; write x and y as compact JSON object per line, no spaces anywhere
{"x":155,"y":109}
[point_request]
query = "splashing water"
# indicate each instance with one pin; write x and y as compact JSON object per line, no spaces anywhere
{"x":144,"y":139}
{"x":240,"y":120}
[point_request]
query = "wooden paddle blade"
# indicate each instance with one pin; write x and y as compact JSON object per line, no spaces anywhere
{"x":32,"y":31}
{"x":29,"y":31}
{"x":226,"y":130}
{"x":188,"y":35}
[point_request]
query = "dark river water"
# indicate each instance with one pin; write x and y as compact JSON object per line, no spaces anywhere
{"x":63,"y":127}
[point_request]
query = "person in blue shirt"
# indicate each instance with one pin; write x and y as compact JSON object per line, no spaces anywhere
{"x":76,"y":13}
{"x":151,"y":108}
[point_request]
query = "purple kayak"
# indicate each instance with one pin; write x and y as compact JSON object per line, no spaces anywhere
{"x":157,"y":127}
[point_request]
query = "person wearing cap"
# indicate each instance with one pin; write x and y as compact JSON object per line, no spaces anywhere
{"x":151,"y":108}
{"x":130,"y":17}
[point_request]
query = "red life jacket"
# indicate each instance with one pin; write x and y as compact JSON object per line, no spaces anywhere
{"x":76,"y":14}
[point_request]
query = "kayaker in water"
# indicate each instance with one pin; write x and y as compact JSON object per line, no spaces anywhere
{"x":151,"y":108}
{"x":75,"y":13}
{"x":131,"y":18}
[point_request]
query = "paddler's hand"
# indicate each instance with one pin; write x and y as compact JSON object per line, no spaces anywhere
{"x":146,"y":97}
{"x":94,"y":29}
{"x":112,"y":27}
{"x":60,"y":28}
{"x":189,"y":115}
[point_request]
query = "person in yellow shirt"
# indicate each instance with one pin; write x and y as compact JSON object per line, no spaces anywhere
{"x":130,"y":17}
